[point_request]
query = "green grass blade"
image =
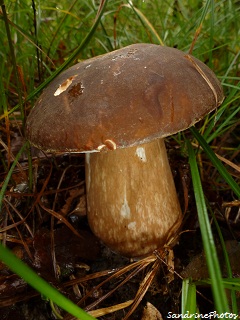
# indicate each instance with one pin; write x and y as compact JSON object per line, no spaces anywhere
{"x":228,"y":283}
{"x":41,"y":285}
{"x":82,"y":45}
{"x":219,"y":295}
{"x":12,"y":57}
{"x":188,"y":302}
{"x":227,"y":263}
{"x":216,"y":162}
{"x":73,"y":56}
{"x":61,"y":24}
{"x":221,"y":127}
{"x":145,"y":22}
{"x":8,"y":177}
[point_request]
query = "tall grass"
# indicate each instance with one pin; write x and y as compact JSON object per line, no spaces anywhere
{"x":38,"y":39}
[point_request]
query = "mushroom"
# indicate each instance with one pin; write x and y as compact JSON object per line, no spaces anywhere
{"x":117,"y":108}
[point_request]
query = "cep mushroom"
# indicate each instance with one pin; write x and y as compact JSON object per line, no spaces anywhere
{"x":117,"y":108}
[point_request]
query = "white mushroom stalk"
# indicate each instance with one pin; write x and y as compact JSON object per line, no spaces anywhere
{"x":132,"y":202}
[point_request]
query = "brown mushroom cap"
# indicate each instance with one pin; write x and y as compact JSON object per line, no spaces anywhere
{"x":123,"y":98}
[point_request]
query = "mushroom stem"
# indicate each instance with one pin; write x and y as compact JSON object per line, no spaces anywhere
{"x":132,"y":202}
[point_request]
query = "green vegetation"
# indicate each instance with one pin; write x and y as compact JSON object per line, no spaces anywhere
{"x":38,"y":39}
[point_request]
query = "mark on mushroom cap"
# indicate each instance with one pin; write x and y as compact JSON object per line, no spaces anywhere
{"x":110,"y":144}
{"x":62,"y":87}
